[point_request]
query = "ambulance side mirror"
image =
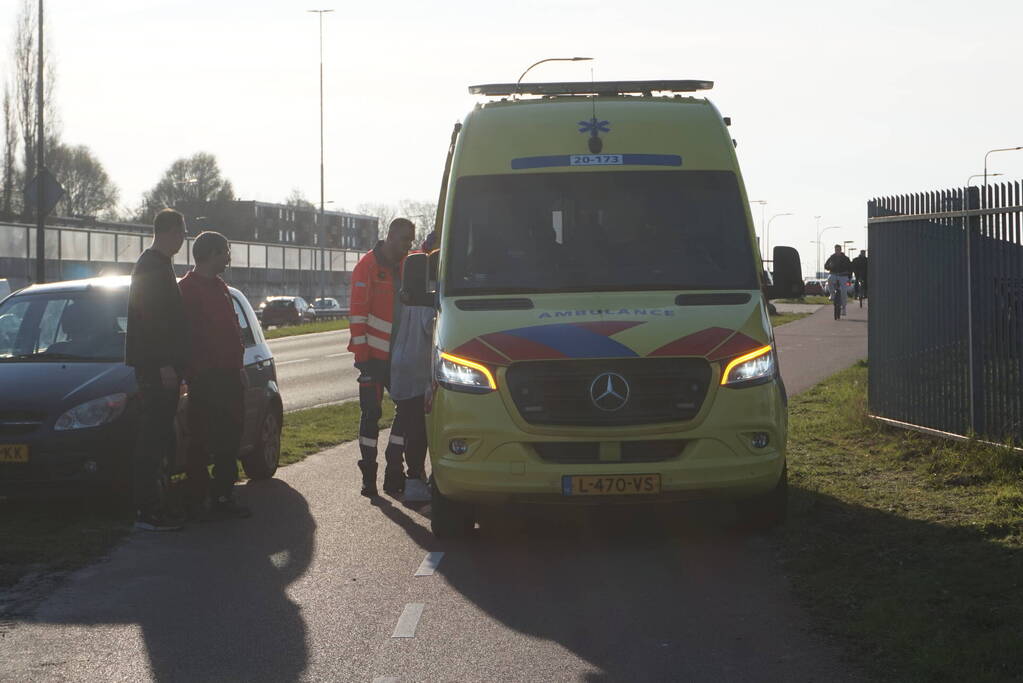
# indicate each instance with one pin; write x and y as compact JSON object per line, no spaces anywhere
{"x":415,"y":280}
{"x":788,"y":274}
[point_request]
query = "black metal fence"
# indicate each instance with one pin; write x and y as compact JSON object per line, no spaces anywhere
{"x":946,"y":310}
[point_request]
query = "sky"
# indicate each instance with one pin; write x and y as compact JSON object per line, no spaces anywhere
{"x":832,"y":103}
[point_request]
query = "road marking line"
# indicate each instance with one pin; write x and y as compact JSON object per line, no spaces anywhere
{"x":429,"y":565}
{"x":337,"y":355}
{"x":289,"y":362}
{"x":408,"y":621}
{"x":385,"y":679}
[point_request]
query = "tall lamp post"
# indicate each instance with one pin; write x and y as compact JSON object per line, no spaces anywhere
{"x":323,"y":217}
{"x":990,"y":152}
{"x":551,"y":59}
{"x":767,"y":231}
{"x":981,"y":175}
{"x":819,"y":233}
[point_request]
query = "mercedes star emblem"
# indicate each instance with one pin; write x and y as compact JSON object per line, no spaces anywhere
{"x":609,"y":392}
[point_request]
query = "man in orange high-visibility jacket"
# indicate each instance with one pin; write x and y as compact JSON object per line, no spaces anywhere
{"x":375,"y":287}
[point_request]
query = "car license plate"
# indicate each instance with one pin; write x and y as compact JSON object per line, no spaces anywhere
{"x":611,"y":485}
{"x":13,"y":452}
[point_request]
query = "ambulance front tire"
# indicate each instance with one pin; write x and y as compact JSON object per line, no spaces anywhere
{"x":448,"y":518}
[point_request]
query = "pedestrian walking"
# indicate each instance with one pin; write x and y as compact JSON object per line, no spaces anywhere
{"x":411,"y":379}
{"x":216,"y":381}
{"x":374,"y":298}
{"x":156,"y":346}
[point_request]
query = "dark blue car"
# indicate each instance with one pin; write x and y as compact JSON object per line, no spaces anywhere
{"x":69,"y":406}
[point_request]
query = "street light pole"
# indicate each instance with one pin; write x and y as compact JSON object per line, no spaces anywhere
{"x":551,"y":59}
{"x":323,"y":217}
{"x":40,"y":160}
{"x":819,"y":233}
{"x":990,"y":152}
{"x":980,"y":175}
{"x":767,"y":231}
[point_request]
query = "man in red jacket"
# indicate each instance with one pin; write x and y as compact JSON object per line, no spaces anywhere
{"x":375,"y":287}
{"x":216,"y":379}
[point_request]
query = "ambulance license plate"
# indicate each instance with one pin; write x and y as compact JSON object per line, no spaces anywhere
{"x":611,"y":485}
{"x":13,"y":452}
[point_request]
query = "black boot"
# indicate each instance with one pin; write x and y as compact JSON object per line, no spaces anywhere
{"x":369,"y":479}
{"x":394,"y":482}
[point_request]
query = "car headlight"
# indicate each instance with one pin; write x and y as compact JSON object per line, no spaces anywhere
{"x":755,"y":367}
{"x":93,"y":413}
{"x":460,"y":374}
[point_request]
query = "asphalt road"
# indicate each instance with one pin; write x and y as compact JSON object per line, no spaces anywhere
{"x":321,"y":585}
{"x":315,"y":369}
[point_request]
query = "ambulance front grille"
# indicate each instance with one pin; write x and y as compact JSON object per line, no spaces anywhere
{"x":563,"y":392}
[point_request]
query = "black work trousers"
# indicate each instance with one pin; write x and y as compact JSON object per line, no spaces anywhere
{"x":156,"y":444}
{"x":216,"y":413}
{"x":408,"y":435}
{"x":371,"y":398}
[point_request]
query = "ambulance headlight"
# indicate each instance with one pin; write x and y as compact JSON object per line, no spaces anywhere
{"x":755,"y":367}
{"x":461,"y":374}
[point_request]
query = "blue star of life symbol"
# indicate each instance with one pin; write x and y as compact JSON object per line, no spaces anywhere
{"x":593,"y":126}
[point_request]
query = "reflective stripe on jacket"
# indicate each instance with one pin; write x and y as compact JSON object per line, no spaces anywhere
{"x":374,"y":287}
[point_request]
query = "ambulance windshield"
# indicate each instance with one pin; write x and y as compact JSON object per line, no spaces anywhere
{"x":598,"y":231}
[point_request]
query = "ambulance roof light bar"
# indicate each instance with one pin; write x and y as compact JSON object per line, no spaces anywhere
{"x":588,"y":88}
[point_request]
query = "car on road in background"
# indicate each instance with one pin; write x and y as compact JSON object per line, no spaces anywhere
{"x":328,"y":308}
{"x":814,"y":287}
{"x":286,"y":310}
{"x":69,"y":410}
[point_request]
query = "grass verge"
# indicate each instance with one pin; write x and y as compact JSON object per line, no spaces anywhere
{"x":812,"y":299}
{"x":46,"y":537}
{"x":308,"y":328}
{"x":314,"y":429}
{"x":783,"y":318}
{"x":908,"y":547}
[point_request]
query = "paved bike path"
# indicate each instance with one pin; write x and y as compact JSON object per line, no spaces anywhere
{"x":815,"y":347}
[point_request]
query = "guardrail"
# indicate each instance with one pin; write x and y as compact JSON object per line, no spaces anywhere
{"x":257,"y":269}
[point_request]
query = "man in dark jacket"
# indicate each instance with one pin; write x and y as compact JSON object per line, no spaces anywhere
{"x":840,"y":267}
{"x":216,"y":379}
{"x":156,"y":345}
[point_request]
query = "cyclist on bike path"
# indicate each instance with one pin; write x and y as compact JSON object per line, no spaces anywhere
{"x":859,"y":268}
{"x":840,"y":267}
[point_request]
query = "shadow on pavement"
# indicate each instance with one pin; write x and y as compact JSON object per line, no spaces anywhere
{"x":211,"y":601}
{"x":666,"y":593}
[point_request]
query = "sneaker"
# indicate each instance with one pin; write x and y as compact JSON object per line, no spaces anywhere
{"x":157,"y":521}
{"x":416,"y":491}
{"x":225,"y":508}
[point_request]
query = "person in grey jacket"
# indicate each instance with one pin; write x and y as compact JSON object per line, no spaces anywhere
{"x":411,"y":379}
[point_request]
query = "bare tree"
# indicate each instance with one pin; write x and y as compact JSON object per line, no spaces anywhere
{"x":26,"y":69}
{"x":10,"y":152}
{"x":297,"y":199}
{"x":196,"y":179}
{"x":384,"y":213}
{"x":87,"y":187}
{"x":422,"y":213}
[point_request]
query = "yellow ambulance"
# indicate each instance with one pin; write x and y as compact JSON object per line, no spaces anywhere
{"x":602,"y":333}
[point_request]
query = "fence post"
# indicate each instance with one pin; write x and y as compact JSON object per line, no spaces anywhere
{"x":972,"y":223}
